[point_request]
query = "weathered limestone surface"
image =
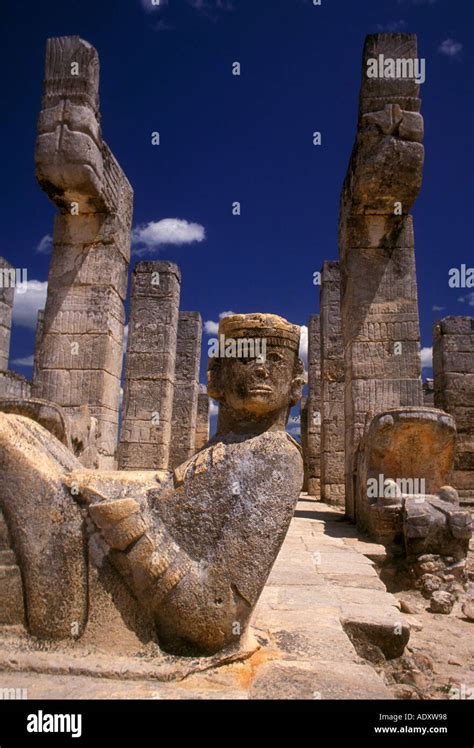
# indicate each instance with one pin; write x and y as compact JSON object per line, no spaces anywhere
{"x":202,"y":419}
{"x":186,"y":389}
{"x":324,"y":601}
{"x":304,"y":438}
{"x":332,"y":387}
{"x":11,"y":588}
{"x":7,"y":292}
{"x":80,"y":362}
{"x":13,"y":385}
{"x":37,"y":353}
{"x":150,"y":367}
{"x":453,"y":369}
{"x":405,"y":462}
{"x":49,"y":415}
{"x":379,"y":304}
{"x":313,"y":439}
{"x":46,"y":527}
{"x":428,"y":393}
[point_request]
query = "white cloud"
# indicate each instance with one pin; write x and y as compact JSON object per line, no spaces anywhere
{"x":213,"y":408}
{"x":150,"y":6}
{"x":469,"y":299}
{"x":149,"y":237}
{"x":450,"y":48}
{"x":435,"y":308}
{"x":294,"y":430}
{"x":45,"y":245}
{"x":125,"y":338}
{"x":304,"y":345}
{"x":27,"y":361}
{"x":26,"y":305}
{"x":211,"y":327}
{"x":426,"y":358}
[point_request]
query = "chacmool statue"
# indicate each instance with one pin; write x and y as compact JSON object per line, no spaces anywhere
{"x":184,"y":555}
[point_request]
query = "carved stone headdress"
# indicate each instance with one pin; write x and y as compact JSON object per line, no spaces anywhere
{"x":275,"y":329}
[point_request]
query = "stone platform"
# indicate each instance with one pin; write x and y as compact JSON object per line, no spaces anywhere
{"x":322,"y":607}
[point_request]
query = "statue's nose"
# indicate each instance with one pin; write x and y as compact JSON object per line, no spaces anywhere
{"x":261,"y":370}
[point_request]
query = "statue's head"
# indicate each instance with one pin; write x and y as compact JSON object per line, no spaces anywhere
{"x":255,"y":372}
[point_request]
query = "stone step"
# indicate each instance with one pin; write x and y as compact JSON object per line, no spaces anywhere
{"x":317,"y":680}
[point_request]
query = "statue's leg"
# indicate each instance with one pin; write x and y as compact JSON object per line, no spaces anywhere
{"x":46,"y":527}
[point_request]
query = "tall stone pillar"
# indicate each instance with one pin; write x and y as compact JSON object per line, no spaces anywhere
{"x":150,"y":367}
{"x":428,"y":393}
{"x":12,"y":385}
{"x":332,"y":387}
{"x":37,"y":354}
{"x":202,"y":421}
{"x":453,"y":370}
{"x":379,"y":305}
{"x":313,"y":438}
{"x":304,"y":438}
{"x":82,"y":348}
{"x":7,"y":291}
{"x":186,"y":390}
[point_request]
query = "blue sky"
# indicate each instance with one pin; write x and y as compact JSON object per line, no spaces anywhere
{"x":247,"y":138}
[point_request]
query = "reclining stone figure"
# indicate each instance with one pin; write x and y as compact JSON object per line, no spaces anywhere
{"x":194,"y":547}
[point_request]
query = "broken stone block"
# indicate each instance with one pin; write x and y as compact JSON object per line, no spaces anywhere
{"x":468,"y":609}
{"x":441,"y":602}
{"x":390,"y":634}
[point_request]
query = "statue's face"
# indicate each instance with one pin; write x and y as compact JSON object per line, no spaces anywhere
{"x":256,"y":385}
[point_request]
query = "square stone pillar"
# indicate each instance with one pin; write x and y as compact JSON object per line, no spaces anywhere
{"x":453,"y":370}
{"x":150,"y":367}
{"x":202,"y":420}
{"x":313,"y":439}
{"x":332,"y":387}
{"x":37,"y":354}
{"x":304,"y":438}
{"x":186,"y":390}
{"x":7,"y":292}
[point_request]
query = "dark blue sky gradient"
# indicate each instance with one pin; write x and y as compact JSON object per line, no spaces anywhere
{"x":247,"y":138}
